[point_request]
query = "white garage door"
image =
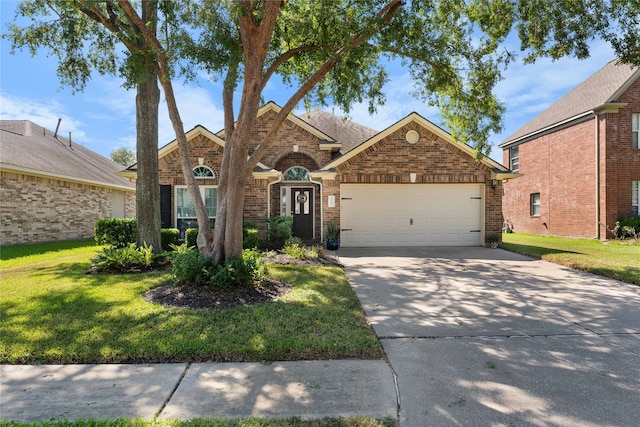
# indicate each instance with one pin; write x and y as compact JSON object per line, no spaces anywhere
{"x":411,"y":214}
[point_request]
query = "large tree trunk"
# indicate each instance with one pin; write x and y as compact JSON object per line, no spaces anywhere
{"x":147,"y":185}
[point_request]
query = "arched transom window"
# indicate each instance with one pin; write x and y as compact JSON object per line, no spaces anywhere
{"x":296,"y":173}
{"x":203,"y":172}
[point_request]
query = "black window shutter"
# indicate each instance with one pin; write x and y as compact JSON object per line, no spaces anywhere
{"x":165,"y":206}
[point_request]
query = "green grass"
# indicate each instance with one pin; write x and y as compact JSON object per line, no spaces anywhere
{"x":52,"y":312}
{"x":209,"y":422}
{"x":615,"y":259}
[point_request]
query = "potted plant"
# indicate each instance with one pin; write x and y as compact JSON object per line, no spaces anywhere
{"x":333,"y":236}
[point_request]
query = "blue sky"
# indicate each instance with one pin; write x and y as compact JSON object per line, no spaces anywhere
{"x":102,"y":118}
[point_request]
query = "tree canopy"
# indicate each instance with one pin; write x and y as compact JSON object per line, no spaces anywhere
{"x":328,"y":51}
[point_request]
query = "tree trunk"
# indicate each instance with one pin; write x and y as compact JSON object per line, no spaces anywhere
{"x":148,"y":185}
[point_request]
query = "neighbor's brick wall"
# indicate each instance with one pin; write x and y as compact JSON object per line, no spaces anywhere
{"x":621,"y":161}
{"x":561,"y":167}
{"x":561,"y":163}
{"x":434,"y":160}
{"x":37,"y":209}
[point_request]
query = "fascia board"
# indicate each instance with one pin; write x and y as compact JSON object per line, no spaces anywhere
{"x":413,"y":117}
{"x":44,"y":174}
{"x":272,"y":106}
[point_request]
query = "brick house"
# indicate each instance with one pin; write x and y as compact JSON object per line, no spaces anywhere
{"x":53,"y":189}
{"x":579,"y":159}
{"x":409,"y":185}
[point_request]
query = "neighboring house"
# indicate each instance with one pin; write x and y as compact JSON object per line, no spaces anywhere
{"x":409,"y":185}
{"x":53,"y":189}
{"x":579,"y":159}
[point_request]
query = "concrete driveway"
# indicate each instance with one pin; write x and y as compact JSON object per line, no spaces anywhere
{"x":485,"y":337}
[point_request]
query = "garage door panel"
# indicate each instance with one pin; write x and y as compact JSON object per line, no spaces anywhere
{"x":411,"y":215}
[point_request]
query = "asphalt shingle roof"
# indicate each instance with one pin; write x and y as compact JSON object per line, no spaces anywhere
{"x":601,"y":88}
{"x":346,"y":132}
{"x":26,"y":145}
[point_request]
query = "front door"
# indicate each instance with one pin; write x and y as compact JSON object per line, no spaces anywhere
{"x":302,"y":199}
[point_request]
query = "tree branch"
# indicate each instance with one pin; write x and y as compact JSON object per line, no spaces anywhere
{"x":386,"y":14}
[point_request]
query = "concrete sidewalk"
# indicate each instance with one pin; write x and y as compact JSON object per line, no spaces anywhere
{"x":308,"y":389}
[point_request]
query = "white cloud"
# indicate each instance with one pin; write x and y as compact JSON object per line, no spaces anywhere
{"x":43,"y":112}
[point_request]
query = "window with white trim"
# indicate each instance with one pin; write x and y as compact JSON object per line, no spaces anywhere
{"x":186,"y":211}
{"x":635,"y":130}
{"x":635,"y":197}
{"x":535,"y":204}
{"x":203,"y":172}
{"x":514,"y":159}
{"x":296,"y":173}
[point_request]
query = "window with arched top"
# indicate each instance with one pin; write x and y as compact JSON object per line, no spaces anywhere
{"x":203,"y":172}
{"x":296,"y":173}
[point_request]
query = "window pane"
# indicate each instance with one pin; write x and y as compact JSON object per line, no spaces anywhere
{"x":211,"y":201}
{"x":203,"y":172}
{"x":515,"y":158}
{"x":535,"y":204}
{"x":296,"y":174}
{"x":635,"y":133}
{"x":635,"y":197}
{"x":184,"y":205}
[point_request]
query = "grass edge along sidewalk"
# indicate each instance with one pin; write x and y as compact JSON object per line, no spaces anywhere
{"x":615,"y":259}
{"x":54,"y":313}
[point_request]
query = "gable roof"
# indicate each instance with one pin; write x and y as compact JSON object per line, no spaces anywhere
{"x":272,"y":106}
{"x":31,"y":149}
{"x":417,"y":118}
{"x":347,"y":132}
{"x":597,"y":92}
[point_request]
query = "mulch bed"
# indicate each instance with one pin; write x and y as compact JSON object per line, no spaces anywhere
{"x":209,"y":298}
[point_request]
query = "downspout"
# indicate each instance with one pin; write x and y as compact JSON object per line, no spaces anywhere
{"x":269,"y":194}
{"x":597,"y":155}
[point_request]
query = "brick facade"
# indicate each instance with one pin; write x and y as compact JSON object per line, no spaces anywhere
{"x":390,"y":160}
{"x":560,"y":165}
{"x":39,"y":209}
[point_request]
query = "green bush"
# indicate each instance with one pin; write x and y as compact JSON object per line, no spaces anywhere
{"x":240,"y":271}
{"x":124,"y":259}
{"x":169,"y":237}
{"x":250,"y":235}
{"x":115,"y":232}
{"x":189,"y":267}
{"x":278,"y":231}
{"x":631,"y":221}
{"x":191,"y":236}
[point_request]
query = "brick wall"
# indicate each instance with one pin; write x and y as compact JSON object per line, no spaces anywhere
{"x":434,"y":160}
{"x":621,"y":162}
{"x":37,"y":209}
{"x":561,"y":167}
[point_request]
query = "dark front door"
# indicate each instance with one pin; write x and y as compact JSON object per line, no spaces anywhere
{"x":302,"y":212}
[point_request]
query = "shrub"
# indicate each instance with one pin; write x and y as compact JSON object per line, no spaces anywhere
{"x":189,"y":267}
{"x":169,"y":237}
{"x":295,"y":248}
{"x":240,"y":271}
{"x":249,"y":235}
{"x":124,"y":259}
{"x":115,"y":232}
{"x":278,"y":231}
{"x":631,"y":222}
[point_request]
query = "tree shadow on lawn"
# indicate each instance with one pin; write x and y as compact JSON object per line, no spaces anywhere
{"x":535,"y":251}
{"x":80,"y":323}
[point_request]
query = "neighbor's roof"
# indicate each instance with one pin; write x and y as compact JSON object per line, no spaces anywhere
{"x":29,"y":148}
{"x":347,"y":132}
{"x":603,"y":87}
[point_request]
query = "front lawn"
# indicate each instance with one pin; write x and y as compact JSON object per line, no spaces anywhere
{"x":615,"y":259}
{"x":52,"y":312}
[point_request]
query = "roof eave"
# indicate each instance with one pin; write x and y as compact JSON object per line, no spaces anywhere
{"x":69,"y":178}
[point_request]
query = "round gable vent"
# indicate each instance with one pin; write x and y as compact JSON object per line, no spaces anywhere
{"x":412,"y":137}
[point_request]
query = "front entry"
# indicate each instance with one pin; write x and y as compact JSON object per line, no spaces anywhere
{"x":302,"y":212}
